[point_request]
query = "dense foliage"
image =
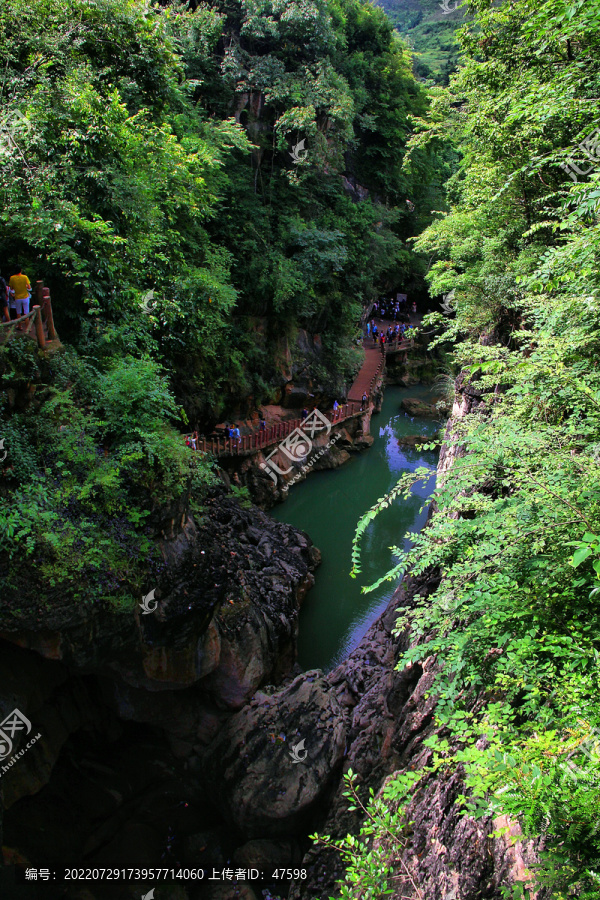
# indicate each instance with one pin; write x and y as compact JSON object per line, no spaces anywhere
{"x":515,"y":621}
{"x":147,"y":177}
{"x":149,"y":149}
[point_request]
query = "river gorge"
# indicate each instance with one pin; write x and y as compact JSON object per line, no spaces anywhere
{"x":335,"y":614}
{"x":299,"y":444}
{"x":173,"y":740}
{"x":166,"y":688}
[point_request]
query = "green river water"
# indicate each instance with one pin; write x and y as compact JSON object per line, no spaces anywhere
{"x":327,"y":506}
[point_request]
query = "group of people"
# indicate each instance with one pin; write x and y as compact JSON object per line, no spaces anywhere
{"x":393,"y":333}
{"x":363,"y":405}
{"x":15,"y":295}
{"x":399,"y":310}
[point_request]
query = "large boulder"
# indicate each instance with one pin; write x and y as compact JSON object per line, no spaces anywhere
{"x":261,"y":785}
{"x":413,"y":440}
{"x":420,"y":408}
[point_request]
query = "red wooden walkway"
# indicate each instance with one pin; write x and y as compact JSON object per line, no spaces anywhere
{"x":369,"y":371}
{"x":364,"y":383}
{"x":258,"y":440}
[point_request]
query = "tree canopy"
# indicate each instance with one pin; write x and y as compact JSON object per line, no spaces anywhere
{"x":147,"y":176}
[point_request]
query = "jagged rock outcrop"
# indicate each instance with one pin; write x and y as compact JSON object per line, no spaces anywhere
{"x":226,"y":622}
{"x":274,"y":760}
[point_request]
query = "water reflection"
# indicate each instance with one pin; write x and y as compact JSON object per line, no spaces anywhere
{"x":336,"y":615}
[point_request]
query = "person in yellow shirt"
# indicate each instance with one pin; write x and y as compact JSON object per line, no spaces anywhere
{"x":20,"y":285}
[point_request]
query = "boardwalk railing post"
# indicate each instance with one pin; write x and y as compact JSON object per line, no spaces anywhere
{"x":39,"y":327}
{"x":47,"y":307}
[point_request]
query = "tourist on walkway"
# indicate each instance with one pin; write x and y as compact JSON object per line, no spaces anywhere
{"x":304,"y":413}
{"x":336,"y":406}
{"x":262,"y":425}
{"x":364,"y":402}
{"x":4,"y":300}
{"x":12,"y":305}
{"x":237,"y":435}
{"x":368,"y":329}
{"x":20,"y":285}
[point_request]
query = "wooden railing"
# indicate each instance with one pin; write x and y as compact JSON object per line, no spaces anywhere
{"x":42,"y":295}
{"x":258,"y":440}
{"x":24,"y":325}
{"x":398,"y":345}
{"x":39,"y":323}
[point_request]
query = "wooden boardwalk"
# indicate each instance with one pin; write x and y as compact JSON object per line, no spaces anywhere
{"x":373,"y":365}
{"x":259,"y":439}
{"x":369,"y":372}
{"x":38,"y":325}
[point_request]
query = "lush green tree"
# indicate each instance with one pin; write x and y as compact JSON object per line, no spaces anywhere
{"x":515,"y":622}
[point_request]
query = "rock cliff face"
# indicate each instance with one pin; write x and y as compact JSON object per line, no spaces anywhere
{"x":268,"y":790}
{"x":236,"y":578}
{"x":225,"y":624}
{"x":416,"y":366}
{"x":388,"y":715}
